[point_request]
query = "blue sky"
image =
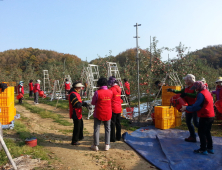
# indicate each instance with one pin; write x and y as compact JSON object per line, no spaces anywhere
{"x":88,"y":28}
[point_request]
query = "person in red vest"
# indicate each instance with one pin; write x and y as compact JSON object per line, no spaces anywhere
{"x":103,"y":112}
{"x":190,"y":97}
{"x":67,"y":88}
{"x":116,"y":110}
{"x":75,"y":112}
{"x":36,"y":91}
{"x":127,"y":89}
{"x":21,"y":90}
{"x":205,"y":110}
{"x":31,"y":88}
{"x":204,"y":82}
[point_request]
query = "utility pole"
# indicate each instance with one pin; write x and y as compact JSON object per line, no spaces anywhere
{"x":138,"y":68}
{"x":150,"y":53}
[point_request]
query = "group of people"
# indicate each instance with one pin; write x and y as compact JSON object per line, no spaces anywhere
{"x":200,"y":109}
{"x":32,"y":89}
{"x":107,"y":102}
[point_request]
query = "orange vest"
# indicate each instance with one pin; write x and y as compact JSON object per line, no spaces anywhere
{"x":78,"y":111}
{"x":103,"y":105}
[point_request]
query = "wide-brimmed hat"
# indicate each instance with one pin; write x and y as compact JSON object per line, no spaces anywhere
{"x":79,"y":85}
{"x":218,"y":79}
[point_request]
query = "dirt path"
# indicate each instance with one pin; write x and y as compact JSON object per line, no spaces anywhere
{"x":58,"y":138}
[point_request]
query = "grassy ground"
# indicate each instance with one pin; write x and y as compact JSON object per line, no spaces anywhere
{"x":63,"y":104}
{"x":46,"y":114}
{"x":15,"y":142}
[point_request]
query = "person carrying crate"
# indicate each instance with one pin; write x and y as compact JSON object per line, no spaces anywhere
{"x":189,"y":96}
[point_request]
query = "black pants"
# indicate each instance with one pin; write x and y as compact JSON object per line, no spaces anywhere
{"x":30,"y":93}
{"x":20,"y":101}
{"x":77,"y":130}
{"x":115,"y":125}
{"x":128,"y":98}
{"x":204,"y":133}
{"x":67,"y":94}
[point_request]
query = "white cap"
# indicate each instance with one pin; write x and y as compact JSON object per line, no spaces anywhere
{"x":203,"y":80}
{"x":79,"y":85}
{"x":39,"y":81}
{"x":190,"y":77}
{"x":218,"y":79}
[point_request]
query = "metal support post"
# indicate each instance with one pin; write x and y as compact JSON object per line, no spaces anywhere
{"x":138,"y":75}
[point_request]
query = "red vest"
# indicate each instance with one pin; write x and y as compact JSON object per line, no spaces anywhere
{"x":22,"y":90}
{"x":78,"y":111}
{"x":67,"y":86}
{"x":103,"y":105}
{"x":116,"y":100}
{"x":36,"y":88}
{"x":30,"y":86}
{"x":208,"y":107}
{"x":127,"y":85}
{"x":189,"y":100}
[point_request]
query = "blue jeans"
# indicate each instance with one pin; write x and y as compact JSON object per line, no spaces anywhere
{"x":189,"y":117}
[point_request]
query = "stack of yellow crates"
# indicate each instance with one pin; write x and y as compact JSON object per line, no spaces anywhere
{"x":7,"y":106}
{"x":167,"y":116}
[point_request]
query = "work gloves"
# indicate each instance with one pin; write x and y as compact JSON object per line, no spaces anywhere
{"x":170,"y":90}
{"x":88,"y":106}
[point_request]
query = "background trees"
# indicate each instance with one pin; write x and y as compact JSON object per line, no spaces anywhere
{"x":28,"y":63}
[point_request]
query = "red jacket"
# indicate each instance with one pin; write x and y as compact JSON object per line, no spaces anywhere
{"x":22,"y":89}
{"x":30,"y":86}
{"x":127,"y":85}
{"x":67,"y":85}
{"x":116,"y":100}
{"x":208,"y":107}
{"x":36,"y":88}
{"x":77,"y":111}
{"x":104,"y":105}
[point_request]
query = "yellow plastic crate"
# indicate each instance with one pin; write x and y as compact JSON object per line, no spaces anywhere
{"x":162,"y":112}
{"x":177,"y":113}
{"x":6,"y":114}
{"x":165,"y":92}
{"x":178,"y":121}
{"x":8,"y":92}
{"x":6,"y":101}
{"x":165,"y":123}
{"x":166,"y":99}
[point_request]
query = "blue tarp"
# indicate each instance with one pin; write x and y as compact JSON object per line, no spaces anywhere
{"x":166,"y":149}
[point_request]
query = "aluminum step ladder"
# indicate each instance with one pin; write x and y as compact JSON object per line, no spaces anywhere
{"x":46,"y":82}
{"x":56,"y":90}
{"x":85,"y":80}
{"x":69,"y":79}
{"x":93,"y":77}
{"x":112,"y":70}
